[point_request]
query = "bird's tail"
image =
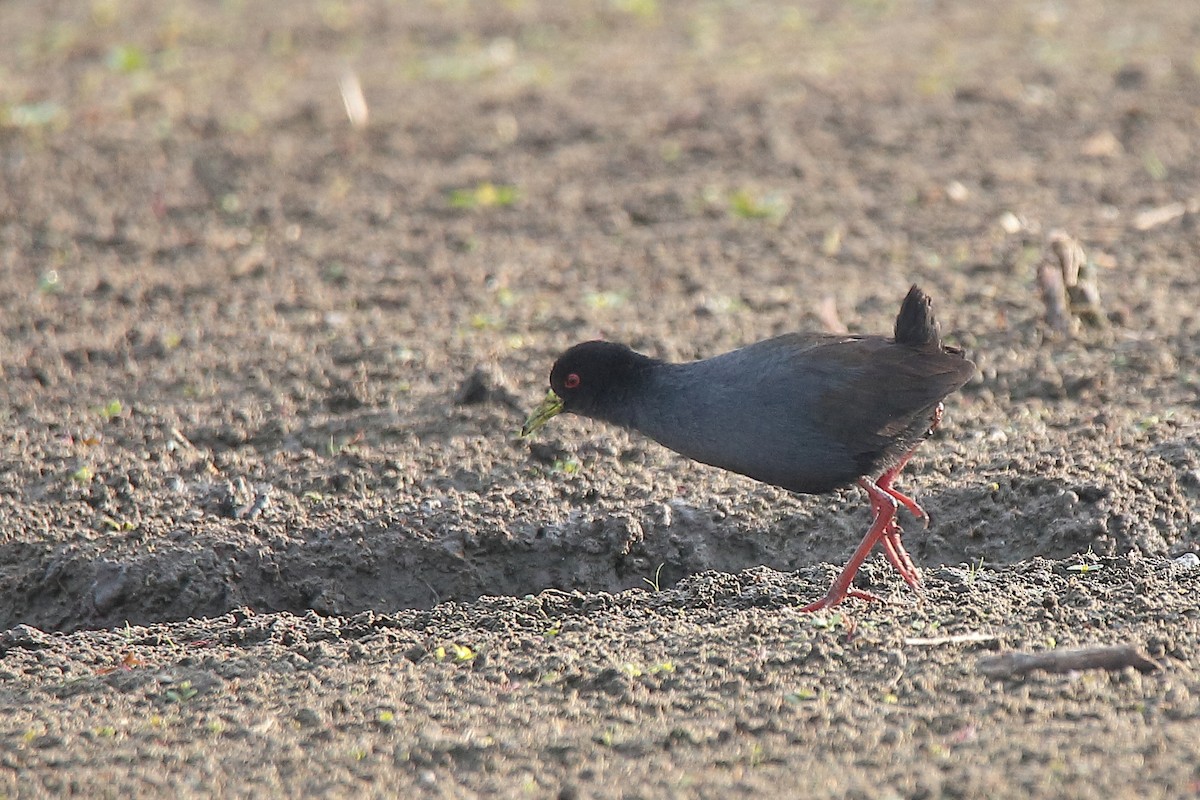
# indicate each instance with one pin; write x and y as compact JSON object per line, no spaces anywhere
{"x":915,"y":324}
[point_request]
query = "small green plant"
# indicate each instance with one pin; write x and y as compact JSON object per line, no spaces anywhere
{"x":1089,"y":564}
{"x":484,"y":195}
{"x":749,"y":205}
{"x":458,"y":652}
{"x":83,"y":475}
{"x":126,"y":59}
{"x":800,"y":696}
{"x":566,"y":466}
{"x":182,"y":693}
{"x":973,"y":569}
{"x":655,"y":584}
{"x":826,"y":622}
{"x":110,"y":410}
{"x":644,"y":9}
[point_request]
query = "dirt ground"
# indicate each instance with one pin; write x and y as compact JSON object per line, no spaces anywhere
{"x":267,"y":529}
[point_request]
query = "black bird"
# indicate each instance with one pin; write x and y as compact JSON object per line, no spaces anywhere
{"x":808,"y":412}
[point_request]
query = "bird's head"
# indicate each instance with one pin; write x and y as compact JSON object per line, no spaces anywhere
{"x":586,"y":380}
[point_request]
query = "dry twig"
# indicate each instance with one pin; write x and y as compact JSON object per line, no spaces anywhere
{"x":1113,"y":657}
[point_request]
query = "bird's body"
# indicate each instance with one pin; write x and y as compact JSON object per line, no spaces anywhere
{"x":806,"y":412}
{"x":834,"y":401}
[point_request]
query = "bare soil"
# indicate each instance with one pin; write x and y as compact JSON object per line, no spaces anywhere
{"x":267,"y":529}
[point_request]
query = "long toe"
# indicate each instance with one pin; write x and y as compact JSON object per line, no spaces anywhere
{"x":910,"y":505}
{"x":833,"y":597}
{"x":901,"y":560}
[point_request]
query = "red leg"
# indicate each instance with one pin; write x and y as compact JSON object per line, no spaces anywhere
{"x":884,"y":530}
{"x":885,"y":483}
{"x":885,"y":517}
{"x":890,"y":539}
{"x":888,"y":478}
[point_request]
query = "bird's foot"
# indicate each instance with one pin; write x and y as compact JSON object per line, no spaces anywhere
{"x":833,"y":597}
{"x":882,"y":527}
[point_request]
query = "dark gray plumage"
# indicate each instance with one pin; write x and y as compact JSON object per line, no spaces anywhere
{"x":806,"y":412}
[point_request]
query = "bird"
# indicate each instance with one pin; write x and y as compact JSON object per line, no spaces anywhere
{"x":811,"y":413}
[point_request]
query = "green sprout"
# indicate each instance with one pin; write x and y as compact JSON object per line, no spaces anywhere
{"x":655,"y":584}
{"x":484,"y":195}
{"x":126,"y":59}
{"x":800,"y":696}
{"x":183,"y":693}
{"x":644,"y":9}
{"x":459,"y":652}
{"x":973,"y":570}
{"x":750,"y":205}
{"x":826,"y":622}
{"x":567,"y":466}
{"x":110,"y":411}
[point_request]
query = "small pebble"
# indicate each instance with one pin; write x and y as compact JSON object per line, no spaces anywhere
{"x":1188,"y":561}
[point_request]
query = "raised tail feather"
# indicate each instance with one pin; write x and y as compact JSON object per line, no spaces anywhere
{"x":915,"y":324}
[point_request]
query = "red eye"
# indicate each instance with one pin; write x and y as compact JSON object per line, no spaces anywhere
{"x":572,"y":380}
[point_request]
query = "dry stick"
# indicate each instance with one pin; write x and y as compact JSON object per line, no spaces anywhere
{"x":961,"y":638}
{"x":1112,"y":658}
{"x":1154,"y":217}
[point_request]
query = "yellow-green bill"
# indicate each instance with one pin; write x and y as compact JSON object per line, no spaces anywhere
{"x":551,"y":407}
